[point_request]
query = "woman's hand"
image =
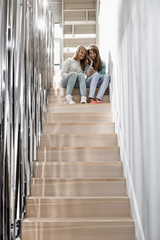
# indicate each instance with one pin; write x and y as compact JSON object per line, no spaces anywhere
{"x":91,"y":70}
{"x":91,"y":61}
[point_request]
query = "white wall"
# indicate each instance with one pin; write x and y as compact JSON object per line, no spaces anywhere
{"x":130,"y":35}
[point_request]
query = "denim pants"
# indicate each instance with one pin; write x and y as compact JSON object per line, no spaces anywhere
{"x":73,"y":79}
{"x":94,"y":82}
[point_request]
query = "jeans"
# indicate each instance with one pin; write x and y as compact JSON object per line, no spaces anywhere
{"x":70,"y":81}
{"x":94,"y":82}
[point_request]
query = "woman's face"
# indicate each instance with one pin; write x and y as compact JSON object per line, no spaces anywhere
{"x":81,"y":54}
{"x":92,"y":54}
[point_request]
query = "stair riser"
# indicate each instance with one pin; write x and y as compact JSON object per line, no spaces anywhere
{"x":82,"y":231}
{"x":74,"y":171}
{"x":77,"y":188}
{"x":94,"y":208}
{"x":78,"y":141}
{"x":53,"y":118}
{"x":47,"y":154}
{"x":72,"y":108}
{"x":60,"y":99}
{"x":76,"y":129}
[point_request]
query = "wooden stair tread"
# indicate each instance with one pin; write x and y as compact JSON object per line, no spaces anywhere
{"x":81,"y":154}
{"x":81,"y":134}
{"x":78,"y":128}
{"x":80,"y":114}
{"x":78,"y":140}
{"x":78,"y":148}
{"x":79,"y":105}
{"x":78,"y":179}
{"x":78,"y":169}
{"x":76,"y":91}
{"x":78,"y":198}
{"x":58,"y":98}
{"x":80,"y":108}
{"x":87,"y":123}
{"x":71,"y":117}
{"x":120,"y":220}
{"x":84,"y":163}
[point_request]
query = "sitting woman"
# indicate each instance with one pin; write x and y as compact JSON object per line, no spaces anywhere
{"x":73,"y":71}
{"x":96,"y":75}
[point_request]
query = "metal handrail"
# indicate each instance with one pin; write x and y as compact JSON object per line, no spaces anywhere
{"x":26,"y":71}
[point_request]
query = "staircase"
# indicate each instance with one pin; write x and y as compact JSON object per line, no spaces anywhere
{"x":78,"y":191}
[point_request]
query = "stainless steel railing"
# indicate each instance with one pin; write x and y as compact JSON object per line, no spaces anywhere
{"x":26,"y":71}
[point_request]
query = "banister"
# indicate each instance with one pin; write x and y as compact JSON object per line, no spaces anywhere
{"x":26,"y":72}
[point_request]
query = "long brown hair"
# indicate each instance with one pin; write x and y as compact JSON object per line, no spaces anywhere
{"x":98,"y":61}
{"x":83,"y":62}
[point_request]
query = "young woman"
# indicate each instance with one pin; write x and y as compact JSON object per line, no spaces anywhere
{"x":96,"y":75}
{"x":72,"y":72}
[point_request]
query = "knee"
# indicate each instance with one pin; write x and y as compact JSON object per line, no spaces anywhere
{"x":81,"y":77}
{"x":96,"y":74}
{"x":80,"y":74}
{"x":95,"y":77}
{"x":107,"y":77}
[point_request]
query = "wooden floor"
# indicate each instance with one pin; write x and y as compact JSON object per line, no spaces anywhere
{"x":78,"y":191}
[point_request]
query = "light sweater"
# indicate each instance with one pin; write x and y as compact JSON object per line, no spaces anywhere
{"x":69,"y":66}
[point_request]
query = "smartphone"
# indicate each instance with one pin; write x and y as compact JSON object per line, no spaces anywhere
{"x":91,"y":69}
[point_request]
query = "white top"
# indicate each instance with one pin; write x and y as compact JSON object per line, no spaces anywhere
{"x":69,"y":66}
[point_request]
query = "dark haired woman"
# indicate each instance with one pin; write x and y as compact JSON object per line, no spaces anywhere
{"x":96,"y":75}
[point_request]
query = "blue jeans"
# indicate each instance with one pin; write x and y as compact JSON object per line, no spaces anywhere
{"x":94,"y":82}
{"x":70,"y":81}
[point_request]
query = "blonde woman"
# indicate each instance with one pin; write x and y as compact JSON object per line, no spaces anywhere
{"x":72,"y":72}
{"x":96,"y":75}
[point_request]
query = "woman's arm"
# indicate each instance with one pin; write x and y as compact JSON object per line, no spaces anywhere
{"x":65,"y":68}
{"x":102,"y":72}
{"x":89,"y":70}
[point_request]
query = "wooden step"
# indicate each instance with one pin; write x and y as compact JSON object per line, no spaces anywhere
{"x":79,"y":108}
{"x":76,"y":91}
{"x":78,"y":207}
{"x":70,"y":128}
{"x":76,"y":98}
{"x":78,"y":191}
{"x":78,"y":229}
{"x":78,"y":117}
{"x":67,"y":154}
{"x":86,"y":187}
{"x":79,"y":140}
{"x":78,"y":169}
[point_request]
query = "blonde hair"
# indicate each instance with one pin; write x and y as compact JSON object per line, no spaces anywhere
{"x":98,"y":61}
{"x":83,"y":62}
